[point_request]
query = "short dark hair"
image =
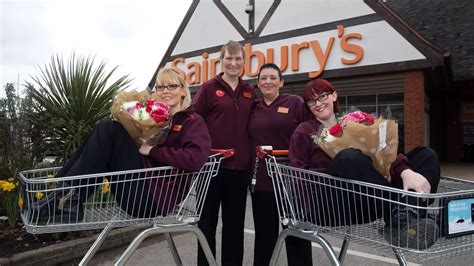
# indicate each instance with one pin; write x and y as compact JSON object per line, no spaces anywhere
{"x":271,"y":66}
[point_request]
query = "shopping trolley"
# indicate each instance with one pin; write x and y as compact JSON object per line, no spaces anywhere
{"x":168,"y":198}
{"x":424,"y":227}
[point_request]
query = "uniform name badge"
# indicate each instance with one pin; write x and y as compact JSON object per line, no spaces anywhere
{"x":176,"y":128}
{"x":283,"y":110}
{"x":247,"y":94}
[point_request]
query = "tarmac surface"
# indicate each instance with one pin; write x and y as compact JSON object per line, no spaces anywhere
{"x":155,"y":251}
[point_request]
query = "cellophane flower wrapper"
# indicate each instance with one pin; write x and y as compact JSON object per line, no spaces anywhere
{"x":141,"y":128}
{"x":366,"y":138}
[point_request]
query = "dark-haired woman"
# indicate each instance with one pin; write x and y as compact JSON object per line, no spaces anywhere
{"x":272,"y":122}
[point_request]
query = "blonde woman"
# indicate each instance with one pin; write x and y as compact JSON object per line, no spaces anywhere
{"x":109,"y":148}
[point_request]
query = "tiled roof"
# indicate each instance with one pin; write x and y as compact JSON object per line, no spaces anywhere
{"x":447,"y":24}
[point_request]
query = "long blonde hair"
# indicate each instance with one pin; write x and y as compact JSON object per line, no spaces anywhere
{"x":172,"y":75}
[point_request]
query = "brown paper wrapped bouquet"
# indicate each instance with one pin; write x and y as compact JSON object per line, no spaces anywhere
{"x":377,"y":138}
{"x":145,"y":118}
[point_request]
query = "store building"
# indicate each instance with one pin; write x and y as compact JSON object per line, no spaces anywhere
{"x":415,"y":57}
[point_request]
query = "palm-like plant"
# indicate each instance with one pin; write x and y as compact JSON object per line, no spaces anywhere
{"x":70,"y":98}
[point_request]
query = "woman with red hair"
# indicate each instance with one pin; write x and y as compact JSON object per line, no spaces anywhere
{"x":418,"y":170}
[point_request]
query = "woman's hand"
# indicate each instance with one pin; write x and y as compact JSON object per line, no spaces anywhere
{"x":415,"y":181}
{"x":145,"y":149}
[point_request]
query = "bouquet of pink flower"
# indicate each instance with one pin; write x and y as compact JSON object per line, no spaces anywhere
{"x":377,"y":138}
{"x":145,"y":118}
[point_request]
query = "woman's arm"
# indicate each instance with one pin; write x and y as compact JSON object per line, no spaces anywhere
{"x":193,"y":151}
{"x":200,"y":101}
{"x":300,"y":150}
{"x":415,"y":181}
{"x":410,"y":179}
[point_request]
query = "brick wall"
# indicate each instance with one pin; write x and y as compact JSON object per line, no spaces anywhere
{"x":414,"y":109}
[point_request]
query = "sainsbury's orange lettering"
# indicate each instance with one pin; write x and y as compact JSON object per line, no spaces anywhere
{"x":198,"y":72}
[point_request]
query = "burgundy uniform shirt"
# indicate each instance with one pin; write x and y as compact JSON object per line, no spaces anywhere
{"x":187,"y":145}
{"x":273,"y":125}
{"x":227,"y":113}
{"x":306,"y":154}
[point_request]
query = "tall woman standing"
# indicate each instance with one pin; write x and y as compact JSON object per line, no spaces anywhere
{"x":225,"y":103}
{"x":273,"y":120}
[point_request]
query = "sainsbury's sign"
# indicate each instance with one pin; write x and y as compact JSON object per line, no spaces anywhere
{"x":290,"y":56}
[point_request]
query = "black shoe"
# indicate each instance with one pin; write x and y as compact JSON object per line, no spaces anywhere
{"x":408,"y":229}
{"x":57,"y":207}
{"x":400,"y":216}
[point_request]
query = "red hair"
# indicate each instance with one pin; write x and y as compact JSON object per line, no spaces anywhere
{"x":317,"y":87}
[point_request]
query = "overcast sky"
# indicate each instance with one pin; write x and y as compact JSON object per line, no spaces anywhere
{"x":133,"y":34}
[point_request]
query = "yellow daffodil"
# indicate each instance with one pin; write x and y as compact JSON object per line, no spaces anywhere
{"x":39,"y":195}
{"x":6,"y":186}
{"x":20,"y":201}
{"x":106,"y":187}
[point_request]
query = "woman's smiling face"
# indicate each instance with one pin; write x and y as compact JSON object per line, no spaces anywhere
{"x":171,"y":93}
{"x":322,"y":105}
{"x":269,"y":83}
{"x":232,"y":64}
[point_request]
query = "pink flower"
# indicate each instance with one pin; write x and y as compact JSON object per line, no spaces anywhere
{"x":157,"y":110}
{"x":160,"y":115}
{"x":130,"y":107}
{"x":149,"y":103}
{"x":358,"y":117}
{"x":337,"y":130}
{"x":369,"y":120}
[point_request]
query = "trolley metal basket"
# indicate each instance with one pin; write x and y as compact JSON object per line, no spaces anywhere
{"x":312,"y":204}
{"x":169,"y":198}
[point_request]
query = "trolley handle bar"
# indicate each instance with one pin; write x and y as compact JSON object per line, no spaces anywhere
{"x":263,"y":151}
{"x":223,"y":152}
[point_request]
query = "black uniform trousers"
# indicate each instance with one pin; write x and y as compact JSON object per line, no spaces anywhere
{"x":229,"y":189}
{"x":353,"y":164}
{"x":267,"y":228}
{"x":109,"y":148}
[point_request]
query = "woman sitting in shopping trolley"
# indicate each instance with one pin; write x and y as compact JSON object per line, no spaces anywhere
{"x":417,"y":170}
{"x":109,"y":148}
